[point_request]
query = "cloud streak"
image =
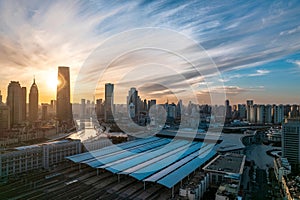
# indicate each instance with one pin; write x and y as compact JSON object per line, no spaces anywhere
{"x":42,"y":35}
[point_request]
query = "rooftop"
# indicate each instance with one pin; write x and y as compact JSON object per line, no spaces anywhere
{"x":229,"y":163}
{"x":158,"y":160}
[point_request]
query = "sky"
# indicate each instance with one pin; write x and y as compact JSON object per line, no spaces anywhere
{"x":253,"y":45}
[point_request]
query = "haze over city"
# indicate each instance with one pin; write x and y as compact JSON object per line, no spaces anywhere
{"x":255,"y":45}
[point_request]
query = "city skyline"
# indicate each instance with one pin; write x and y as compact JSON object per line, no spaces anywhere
{"x":255,"y":45}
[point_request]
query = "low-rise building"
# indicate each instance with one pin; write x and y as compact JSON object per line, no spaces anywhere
{"x":227,"y":192}
{"x":291,"y":187}
{"x":25,"y":158}
{"x":195,"y":187}
{"x":226,"y":170}
{"x":281,"y":168}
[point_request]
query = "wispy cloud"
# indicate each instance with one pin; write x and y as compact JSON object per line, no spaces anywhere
{"x":296,"y":62}
{"x":260,"y":72}
{"x":42,"y":35}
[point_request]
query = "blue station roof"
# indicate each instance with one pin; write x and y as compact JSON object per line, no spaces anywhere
{"x":161,"y":160}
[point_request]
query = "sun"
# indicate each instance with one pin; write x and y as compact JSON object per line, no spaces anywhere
{"x":52,"y":82}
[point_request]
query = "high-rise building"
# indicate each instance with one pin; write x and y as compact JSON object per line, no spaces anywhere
{"x":294,"y":111}
{"x":152,"y":103}
{"x":260,"y":114}
{"x":228,"y":111}
{"x":291,"y":142}
{"x":268,"y":114}
{"x":82,"y":109}
{"x":14,"y":101}
{"x":4,"y":117}
{"x":249,"y":104}
{"x":145,"y":106}
{"x":1,"y":98}
{"x":24,"y":103}
{"x":33,"y":102}
{"x":134,"y":99}
{"x":99,"y":109}
{"x":109,"y":102}
{"x":253,"y":113}
{"x":45,"y":111}
{"x":179,"y":109}
{"x":63,"y":104}
{"x":278,"y":114}
{"x":242,"y":110}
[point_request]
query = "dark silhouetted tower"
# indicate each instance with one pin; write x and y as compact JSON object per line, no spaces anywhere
{"x":33,"y":102}
{"x":15,"y":101}
{"x":63,"y":104}
{"x":23,"y":102}
{"x":109,"y":102}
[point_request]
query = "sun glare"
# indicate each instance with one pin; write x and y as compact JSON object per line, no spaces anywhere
{"x":52,"y":82}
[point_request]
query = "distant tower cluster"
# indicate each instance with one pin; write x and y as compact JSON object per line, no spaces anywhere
{"x":63,"y":104}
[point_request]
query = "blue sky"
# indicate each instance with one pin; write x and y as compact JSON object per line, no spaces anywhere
{"x":254,"y":44}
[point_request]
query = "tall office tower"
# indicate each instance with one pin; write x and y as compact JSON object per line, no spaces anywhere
{"x":14,"y":101}
{"x":242,"y":111}
{"x":145,"y":106}
{"x":109,"y":102}
{"x":291,"y":141}
{"x":63,"y":101}
{"x":179,"y":109}
{"x":228,"y":109}
{"x":24,"y":103}
{"x":278,"y":114}
{"x":133,"y":98}
{"x":33,"y":102}
{"x":249,"y":104}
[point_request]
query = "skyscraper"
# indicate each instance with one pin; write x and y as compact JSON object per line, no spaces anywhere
{"x":291,"y":142}
{"x":24,"y":103}
{"x":278,"y":114}
{"x":44,"y":111}
{"x":133,"y":98}
{"x":63,"y":106}
{"x":109,"y":102}
{"x":4,"y":116}
{"x":0,"y":98}
{"x":33,"y":102}
{"x":249,"y":104}
{"x":14,"y":101}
